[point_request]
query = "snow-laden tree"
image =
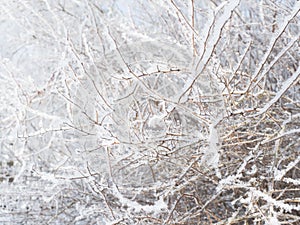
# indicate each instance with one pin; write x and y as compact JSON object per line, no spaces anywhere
{"x":149,"y":112}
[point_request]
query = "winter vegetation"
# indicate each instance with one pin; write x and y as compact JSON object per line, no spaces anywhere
{"x":171,"y":112}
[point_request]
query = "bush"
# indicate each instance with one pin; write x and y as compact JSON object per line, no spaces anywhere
{"x":172,"y":112}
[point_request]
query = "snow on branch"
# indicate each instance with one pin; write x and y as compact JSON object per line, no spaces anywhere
{"x":272,"y":42}
{"x":213,"y":37}
{"x":279,"y":174}
{"x":285,"y":86}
